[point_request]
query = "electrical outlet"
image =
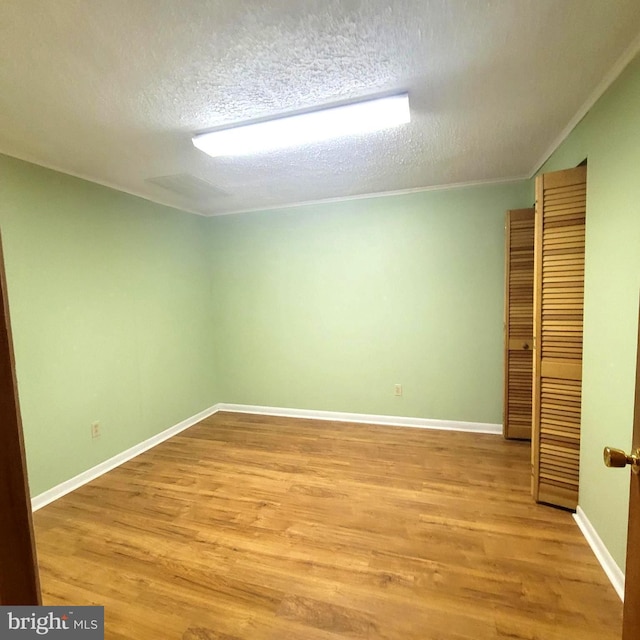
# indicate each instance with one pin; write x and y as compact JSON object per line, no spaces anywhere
{"x":95,"y":429}
{"x":397,"y":389}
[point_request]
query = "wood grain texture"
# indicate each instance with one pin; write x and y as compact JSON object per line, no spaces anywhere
{"x":538,"y":263}
{"x":19,"y":584}
{"x":249,"y":527}
{"x":558,"y":319}
{"x":518,"y":324}
{"x":632,"y":573}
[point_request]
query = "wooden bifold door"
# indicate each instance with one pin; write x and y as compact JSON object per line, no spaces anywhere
{"x":518,"y":323}
{"x":558,"y":311}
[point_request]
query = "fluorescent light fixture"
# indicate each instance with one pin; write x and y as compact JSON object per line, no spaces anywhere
{"x":305,"y":128}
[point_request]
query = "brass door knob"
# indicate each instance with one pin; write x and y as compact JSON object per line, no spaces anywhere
{"x":616,"y":458}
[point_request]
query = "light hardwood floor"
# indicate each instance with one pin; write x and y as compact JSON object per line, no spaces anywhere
{"x":251,"y":527}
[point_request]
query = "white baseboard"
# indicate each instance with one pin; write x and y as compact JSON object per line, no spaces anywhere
{"x":43,"y":499}
{"x":601,"y":552}
{"x":337,"y":416}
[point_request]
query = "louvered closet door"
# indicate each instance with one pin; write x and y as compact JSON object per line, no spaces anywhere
{"x":558,"y":312}
{"x":518,"y":323}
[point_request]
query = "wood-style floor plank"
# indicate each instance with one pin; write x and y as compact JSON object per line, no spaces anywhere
{"x":249,"y":527}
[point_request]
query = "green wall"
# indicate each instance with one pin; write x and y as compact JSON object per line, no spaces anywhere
{"x":609,"y":136}
{"x":139,"y":316}
{"x":111,"y":312}
{"x":328,"y":306}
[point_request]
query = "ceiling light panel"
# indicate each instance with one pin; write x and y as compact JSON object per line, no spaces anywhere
{"x":307,"y":128}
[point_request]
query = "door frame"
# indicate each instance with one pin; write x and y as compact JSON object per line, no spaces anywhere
{"x":631,"y":619}
{"x":19,"y":579}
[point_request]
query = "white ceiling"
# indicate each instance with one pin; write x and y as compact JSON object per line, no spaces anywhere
{"x":113,"y":90}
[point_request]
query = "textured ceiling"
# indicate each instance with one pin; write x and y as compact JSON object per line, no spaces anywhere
{"x":113,"y":90}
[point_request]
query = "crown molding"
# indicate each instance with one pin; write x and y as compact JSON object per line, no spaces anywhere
{"x":623,"y":61}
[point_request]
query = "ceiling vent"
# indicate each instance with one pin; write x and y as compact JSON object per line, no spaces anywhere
{"x":188,"y":186}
